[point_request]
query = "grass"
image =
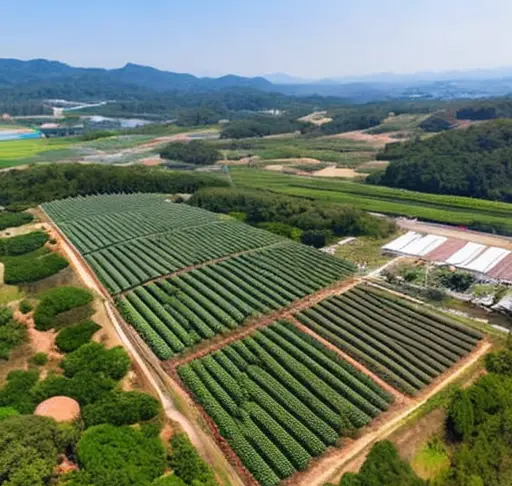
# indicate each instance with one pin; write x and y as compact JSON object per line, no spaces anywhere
{"x":19,"y":152}
{"x":365,"y":251}
{"x":399,"y":123}
{"x":9,"y":293}
{"x":432,"y":460}
{"x":346,"y":153}
{"x":397,"y":202}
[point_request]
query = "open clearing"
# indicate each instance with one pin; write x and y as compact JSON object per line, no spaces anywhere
{"x":337,"y":172}
{"x":205,"y":293}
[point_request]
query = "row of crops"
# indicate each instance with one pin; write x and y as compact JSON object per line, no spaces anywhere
{"x":176,"y":314}
{"x":127,"y":265}
{"x":280,"y":398}
{"x":405,"y":344}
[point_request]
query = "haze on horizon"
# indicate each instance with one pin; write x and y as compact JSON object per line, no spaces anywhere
{"x":310,"y":39}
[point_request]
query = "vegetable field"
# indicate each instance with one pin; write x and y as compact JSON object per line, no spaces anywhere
{"x":405,"y":344}
{"x":178,"y":313}
{"x":280,"y":398}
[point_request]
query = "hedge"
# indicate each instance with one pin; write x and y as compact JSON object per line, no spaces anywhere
{"x":20,"y":245}
{"x":71,"y":338}
{"x":12,"y":220}
{"x":57,"y":301}
{"x":121,"y":408}
{"x":25,"y":269}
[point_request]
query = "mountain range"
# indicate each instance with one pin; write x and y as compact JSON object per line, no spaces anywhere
{"x":41,"y":78}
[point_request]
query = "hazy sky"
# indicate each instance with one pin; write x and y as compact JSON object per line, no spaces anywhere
{"x":310,"y":38}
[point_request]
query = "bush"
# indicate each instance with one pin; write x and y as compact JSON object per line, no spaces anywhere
{"x":169,"y":480}
{"x":195,"y":152}
{"x":28,"y":450}
{"x":8,"y":412}
{"x":314,"y":238}
{"x":187,"y":464}
{"x":56,"y":301}
{"x":120,"y":455}
{"x":39,"y":359}
{"x":121,"y":408}
{"x":12,"y":332}
{"x":20,"y":245}
{"x":32,"y":267}
{"x":113,"y":363}
{"x":85,"y":387}
{"x":12,"y":220}
{"x":17,"y":391}
{"x":71,"y":338}
{"x":25,"y":307}
{"x":457,"y":281}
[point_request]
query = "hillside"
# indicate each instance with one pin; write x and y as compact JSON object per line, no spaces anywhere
{"x":473,"y":162}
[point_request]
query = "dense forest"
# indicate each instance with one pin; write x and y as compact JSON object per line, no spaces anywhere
{"x":194,"y":152}
{"x":312,"y":223}
{"x":260,"y":127}
{"x":476,"y":162}
{"x":37,"y":184}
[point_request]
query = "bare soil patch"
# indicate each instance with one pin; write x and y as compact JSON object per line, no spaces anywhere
{"x":374,"y":164}
{"x":151,"y":161}
{"x":377,"y":140}
{"x":61,"y":409}
{"x":338,"y":172}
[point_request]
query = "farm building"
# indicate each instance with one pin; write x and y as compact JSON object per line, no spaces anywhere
{"x":488,"y":261}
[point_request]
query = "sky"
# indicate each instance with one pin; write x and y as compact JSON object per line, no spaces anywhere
{"x":305,"y":38}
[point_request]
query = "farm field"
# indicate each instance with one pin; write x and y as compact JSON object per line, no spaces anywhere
{"x":280,"y":398}
{"x":19,"y":152}
{"x":429,"y":207}
{"x":178,"y":313}
{"x":404,"y":344}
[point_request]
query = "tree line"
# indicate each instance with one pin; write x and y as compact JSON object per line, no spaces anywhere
{"x":311,"y":222}
{"x":475,"y":162}
{"x":37,"y":184}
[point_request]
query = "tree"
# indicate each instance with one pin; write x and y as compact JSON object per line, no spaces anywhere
{"x":461,"y":415}
{"x":195,"y":152}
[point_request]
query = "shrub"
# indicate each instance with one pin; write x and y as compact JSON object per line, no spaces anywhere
{"x":8,"y":412}
{"x":25,"y":307}
{"x":85,"y":387}
{"x":12,"y":220}
{"x":187,"y":464}
{"x":121,"y":408}
{"x":56,"y":301}
{"x":457,"y":281}
{"x":20,"y":245}
{"x":169,"y":480}
{"x":27,"y":269}
{"x":28,"y":450}
{"x":113,"y":363}
{"x":120,"y":455}
{"x":39,"y":359}
{"x":195,"y":152}
{"x":12,"y":332}
{"x":17,"y":392}
{"x":71,"y":338}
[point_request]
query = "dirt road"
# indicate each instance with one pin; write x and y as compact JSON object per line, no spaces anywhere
{"x":327,"y":470}
{"x":452,"y":232}
{"x":158,"y":379}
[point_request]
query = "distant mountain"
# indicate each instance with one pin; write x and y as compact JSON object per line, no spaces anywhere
{"x":16,"y":73}
{"x":282,"y":78}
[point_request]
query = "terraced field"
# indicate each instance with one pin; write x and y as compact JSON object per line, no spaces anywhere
{"x":280,"y":398}
{"x":405,"y":344}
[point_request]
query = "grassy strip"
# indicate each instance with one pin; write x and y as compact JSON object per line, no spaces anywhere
{"x":430,"y":207}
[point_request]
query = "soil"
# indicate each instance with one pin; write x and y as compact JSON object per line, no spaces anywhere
{"x":151,"y":161}
{"x":62,"y":409}
{"x":374,"y":164}
{"x":377,"y":140}
{"x":338,"y":172}
{"x":2,"y":269}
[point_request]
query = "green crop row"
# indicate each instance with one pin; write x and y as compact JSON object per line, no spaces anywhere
{"x":279,"y":399}
{"x":406,"y":346}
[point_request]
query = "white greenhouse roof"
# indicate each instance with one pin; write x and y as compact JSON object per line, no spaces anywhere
{"x":487,"y":260}
{"x":466,"y":254}
{"x":402,"y":241}
{"x":424,"y":245}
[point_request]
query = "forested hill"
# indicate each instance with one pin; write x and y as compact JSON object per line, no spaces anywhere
{"x":476,"y":162}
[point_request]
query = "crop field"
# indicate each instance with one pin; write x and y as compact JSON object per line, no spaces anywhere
{"x":398,"y":202}
{"x":178,"y":313}
{"x":406,"y":345}
{"x":18,"y":152}
{"x":280,"y":398}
